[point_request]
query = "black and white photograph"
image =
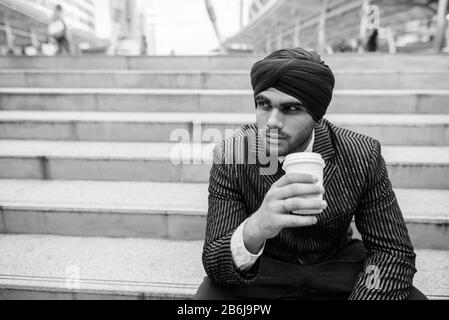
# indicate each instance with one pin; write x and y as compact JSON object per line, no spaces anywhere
{"x":224,"y":150}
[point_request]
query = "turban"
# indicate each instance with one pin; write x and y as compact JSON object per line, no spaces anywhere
{"x":298,"y":73}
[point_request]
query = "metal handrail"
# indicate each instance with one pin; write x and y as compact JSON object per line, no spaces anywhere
{"x":311,"y":19}
{"x":21,"y":33}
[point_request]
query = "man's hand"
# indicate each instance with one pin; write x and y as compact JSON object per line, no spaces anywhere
{"x":285,"y":196}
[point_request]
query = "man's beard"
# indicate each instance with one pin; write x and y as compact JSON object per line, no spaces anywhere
{"x":298,"y":144}
{"x":289,"y":144}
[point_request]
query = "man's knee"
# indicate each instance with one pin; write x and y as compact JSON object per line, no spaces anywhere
{"x":211,"y":291}
{"x":415,"y":294}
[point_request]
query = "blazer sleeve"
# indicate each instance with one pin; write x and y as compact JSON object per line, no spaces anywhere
{"x":225,"y":214}
{"x":390,"y":266}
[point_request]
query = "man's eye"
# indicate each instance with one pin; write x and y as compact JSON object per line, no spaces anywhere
{"x":292,"y":109}
{"x":263,"y":104}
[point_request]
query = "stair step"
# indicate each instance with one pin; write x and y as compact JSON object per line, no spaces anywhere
{"x":37,"y":267}
{"x":389,"y":129}
{"x":113,"y":209}
{"x":229,"y":62}
{"x":225,"y":79}
{"x":409,"y":167}
{"x":164,"y":210}
{"x":148,"y":222}
{"x":198,"y":100}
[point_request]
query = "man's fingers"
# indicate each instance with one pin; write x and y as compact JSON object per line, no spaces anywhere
{"x":297,"y":190}
{"x":290,"y":178}
{"x":294,"y":221}
{"x":294,"y":204}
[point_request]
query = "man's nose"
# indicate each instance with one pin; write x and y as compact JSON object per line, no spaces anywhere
{"x":275,"y":120}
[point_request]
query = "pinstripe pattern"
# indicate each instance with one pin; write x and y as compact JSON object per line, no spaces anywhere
{"x":357,"y":185}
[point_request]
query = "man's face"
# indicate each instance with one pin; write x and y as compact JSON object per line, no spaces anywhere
{"x":289,"y":126}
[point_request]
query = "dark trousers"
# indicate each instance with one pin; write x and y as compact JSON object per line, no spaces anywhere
{"x":333,"y":279}
{"x":63,"y":45}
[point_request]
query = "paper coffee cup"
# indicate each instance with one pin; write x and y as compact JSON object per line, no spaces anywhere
{"x":308,"y":163}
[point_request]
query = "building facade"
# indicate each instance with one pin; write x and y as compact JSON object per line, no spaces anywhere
{"x":337,"y":25}
{"x":80,"y":14}
{"x":25,"y":22}
{"x":133,"y":26}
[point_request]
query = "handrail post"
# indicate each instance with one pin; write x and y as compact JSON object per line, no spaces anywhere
{"x":268,"y":42}
{"x":441,"y":29}
{"x":322,"y":27}
{"x":390,"y":40}
{"x":9,"y":38}
{"x":279,"y":38}
{"x":34,"y":39}
{"x":297,"y":34}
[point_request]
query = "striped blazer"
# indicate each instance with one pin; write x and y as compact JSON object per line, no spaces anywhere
{"x":357,"y":186}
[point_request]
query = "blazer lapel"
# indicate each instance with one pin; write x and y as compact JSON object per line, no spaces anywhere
{"x":323,"y":146}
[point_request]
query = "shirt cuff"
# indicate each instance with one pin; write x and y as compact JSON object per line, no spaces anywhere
{"x":243,"y":259}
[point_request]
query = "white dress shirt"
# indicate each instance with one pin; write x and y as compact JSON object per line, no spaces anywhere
{"x":243,"y":259}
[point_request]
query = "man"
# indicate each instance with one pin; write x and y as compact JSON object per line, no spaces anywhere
{"x":255,"y":247}
{"x":57,"y":29}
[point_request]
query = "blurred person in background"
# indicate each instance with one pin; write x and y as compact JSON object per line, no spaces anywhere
{"x":372,"y":43}
{"x":57,"y":29}
{"x":144,"y":46}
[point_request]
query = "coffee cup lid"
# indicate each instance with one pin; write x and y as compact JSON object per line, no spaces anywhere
{"x":303,"y":157}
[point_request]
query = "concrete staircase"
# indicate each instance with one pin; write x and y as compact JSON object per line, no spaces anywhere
{"x":90,"y":183}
